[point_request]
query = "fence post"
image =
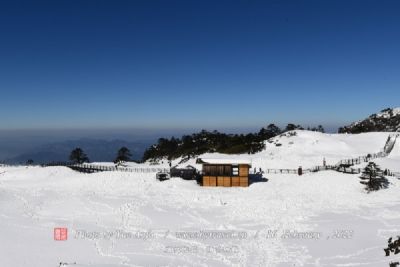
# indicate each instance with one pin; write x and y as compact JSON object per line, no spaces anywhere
{"x":300,"y":171}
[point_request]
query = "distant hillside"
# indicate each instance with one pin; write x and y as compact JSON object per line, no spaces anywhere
{"x":388,"y":120}
{"x":97,"y":150}
{"x":189,"y":146}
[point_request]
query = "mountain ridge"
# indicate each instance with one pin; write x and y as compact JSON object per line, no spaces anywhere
{"x":387,"y":120}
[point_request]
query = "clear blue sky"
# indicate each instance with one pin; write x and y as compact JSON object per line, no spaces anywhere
{"x":203,"y":64}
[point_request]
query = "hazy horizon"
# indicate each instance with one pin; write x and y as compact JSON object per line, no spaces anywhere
{"x":16,"y":142}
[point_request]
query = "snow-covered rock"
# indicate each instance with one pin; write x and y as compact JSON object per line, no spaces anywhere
{"x":388,"y":120}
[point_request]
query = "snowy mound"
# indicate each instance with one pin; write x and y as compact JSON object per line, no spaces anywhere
{"x":308,"y":149}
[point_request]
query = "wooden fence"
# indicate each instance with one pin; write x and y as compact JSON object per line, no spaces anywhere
{"x":361,"y":159}
{"x":309,"y":170}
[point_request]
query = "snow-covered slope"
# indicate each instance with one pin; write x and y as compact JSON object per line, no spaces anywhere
{"x":392,"y":161}
{"x":308,"y":149}
{"x":395,"y":153}
{"x":131,"y":219}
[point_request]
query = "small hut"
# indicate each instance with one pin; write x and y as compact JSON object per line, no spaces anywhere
{"x":225,"y":172}
{"x":187,"y":173}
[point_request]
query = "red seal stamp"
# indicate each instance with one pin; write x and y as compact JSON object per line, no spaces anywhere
{"x":60,"y":234}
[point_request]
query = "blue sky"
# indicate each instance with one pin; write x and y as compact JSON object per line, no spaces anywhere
{"x":196,"y":64}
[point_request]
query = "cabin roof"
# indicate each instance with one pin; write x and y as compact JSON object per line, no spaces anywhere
{"x":224,"y":161}
{"x":187,"y":167}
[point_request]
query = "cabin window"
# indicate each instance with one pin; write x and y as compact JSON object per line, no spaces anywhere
{"x":235,"y":170}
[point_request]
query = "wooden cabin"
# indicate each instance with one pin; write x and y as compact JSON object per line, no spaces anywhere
{"x":225,"y":172}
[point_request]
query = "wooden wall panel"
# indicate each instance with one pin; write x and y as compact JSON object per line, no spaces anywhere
{"x":220,"y":170}
{"x":244,"y":181}
{"x":227,"y":181}
{"x":213,"y":181}
{"x":243,"y":170}
{"x":220,"y":181}
{"x":206,"y":181}
{"x":235,"y":181}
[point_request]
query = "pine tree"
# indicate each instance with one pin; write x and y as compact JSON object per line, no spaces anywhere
{"x":290,"y":127}
{"x":273,"y":129}
{"x":123,"y":155}
{"x":270,"y":131}
{"x":78,"y":156}
{"x":373,"y":178}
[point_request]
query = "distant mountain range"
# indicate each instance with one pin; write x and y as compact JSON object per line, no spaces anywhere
{"x":388,"y":120}
{"x":97,"y":150}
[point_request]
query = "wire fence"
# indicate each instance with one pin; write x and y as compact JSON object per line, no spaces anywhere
{"x":12,"y":165}
{"x":91,"y":168}
{"x":343,"y":166}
